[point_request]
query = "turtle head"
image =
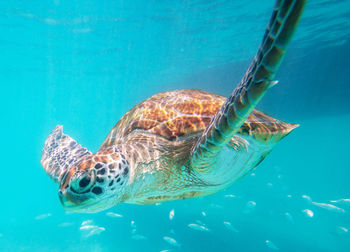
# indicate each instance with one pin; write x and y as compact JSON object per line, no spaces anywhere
{"x":95,"y":183}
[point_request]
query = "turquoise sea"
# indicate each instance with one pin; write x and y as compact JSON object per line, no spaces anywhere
{"x":83,"y":64}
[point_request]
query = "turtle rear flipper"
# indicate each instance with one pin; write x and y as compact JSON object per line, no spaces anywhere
{"x":257,"y":80}
{"x":60,"y":152}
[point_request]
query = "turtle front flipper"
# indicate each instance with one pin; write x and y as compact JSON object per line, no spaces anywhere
{"x":60,"y":152}
{"x":257,"y":80}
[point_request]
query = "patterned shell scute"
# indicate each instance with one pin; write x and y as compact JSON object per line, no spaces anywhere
{"x":187,"y":112}
{"x":170,"y":114}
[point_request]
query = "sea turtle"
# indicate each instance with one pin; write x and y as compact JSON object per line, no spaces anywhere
{"x":178,"y":144}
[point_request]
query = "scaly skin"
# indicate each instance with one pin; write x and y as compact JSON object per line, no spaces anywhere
{"x":255,"y":83}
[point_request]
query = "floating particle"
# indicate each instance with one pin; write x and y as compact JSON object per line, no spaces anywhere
{"x":329,"y":207}
{"x":308,"y":212}
{"x":198,"y":227}
{"x":252,"y":174}
{"x":114,"y":215}
{"x":230,"y":196}
{"x":271,"y":245}
{"x":138,"y":237}
{"x":165,"y":250}
{"x":269,"y":184}
{"x":43,"y":216}
{"x":171,"y":214}
{"x":171,"y":241}
{"x":229,"y":226}
{"x":289,"y":217}
{"x":132,"y":224}
{"x":204,"y":214}
{"x":289,"y":196}
{"x":133,"y":231}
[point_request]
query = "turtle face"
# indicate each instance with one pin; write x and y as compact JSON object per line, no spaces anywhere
{"x":96,"y":183}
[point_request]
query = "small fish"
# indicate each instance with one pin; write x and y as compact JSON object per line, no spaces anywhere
{"x":307,"y":198}
{"x":204,"y":214}
{"x":42,"y":216}
{"x":308,"y":212}
{"x":86,"y":222}
{"x":271,"y":245}
{"x":250,"y":206}
{"x":341,"y":201}
{"x":114,"y":215}
{"x":230,"y":196}
{"x":342,"y":231}
{"x":171,"y":241}
{"x":95,"y":231}
{"x":198,"y":227}
{"x":329,"y":207}
{"x":289,"y":217}
{"x":87,"y":227}
{"x":138,"y":237}
{"x":229,"y":226}
{"x":171,"y":214}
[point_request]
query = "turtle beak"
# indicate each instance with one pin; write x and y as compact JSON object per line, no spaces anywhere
{"x":69,"y":202}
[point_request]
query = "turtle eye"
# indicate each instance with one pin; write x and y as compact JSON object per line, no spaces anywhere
{"x":83,"y":182}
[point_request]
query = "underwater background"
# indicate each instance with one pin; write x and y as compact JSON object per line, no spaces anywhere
{"x":83,"y":64}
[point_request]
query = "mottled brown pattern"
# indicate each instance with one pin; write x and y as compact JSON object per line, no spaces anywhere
{"x":86,"y":164}
{"x":102,"y":159}
{"x":107,"y":151}
{"x":66,"y":178}
{"x":180,"y":113}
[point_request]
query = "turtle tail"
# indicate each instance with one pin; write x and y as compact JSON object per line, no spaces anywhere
{"x":255,"y":83}
{"x":60,"y":152}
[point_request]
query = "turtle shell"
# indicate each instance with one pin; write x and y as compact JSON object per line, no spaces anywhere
{"x":177,"y":114}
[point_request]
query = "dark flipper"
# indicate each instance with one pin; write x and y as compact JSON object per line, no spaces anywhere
{"x":257,"y":80}
{"x":59,"y":153}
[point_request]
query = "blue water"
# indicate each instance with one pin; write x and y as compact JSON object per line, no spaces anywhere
{"x":83,"y":64}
